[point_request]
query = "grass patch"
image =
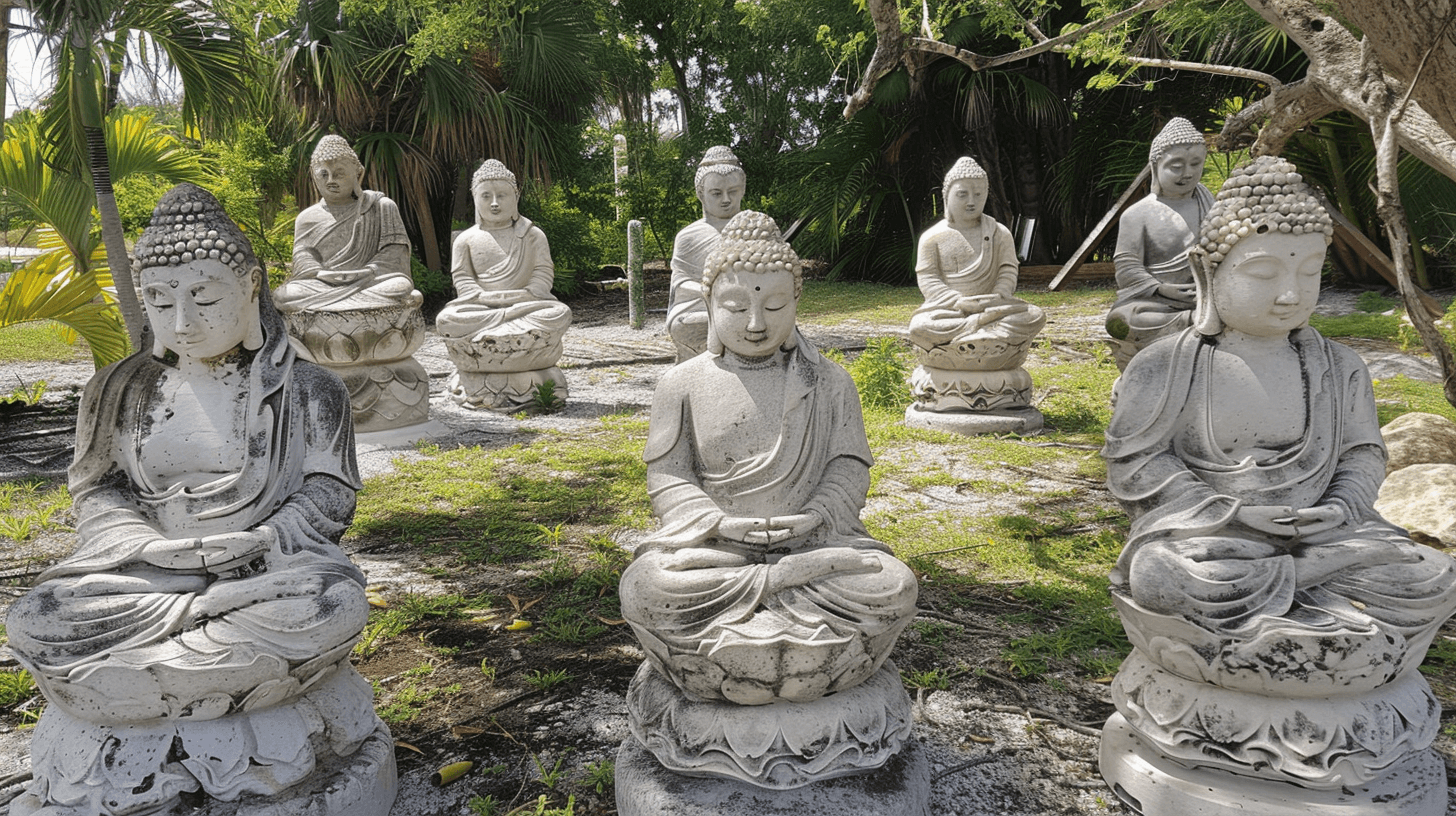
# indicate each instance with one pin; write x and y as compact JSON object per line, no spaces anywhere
{"x":1077,"y":301}
{"x":39,"y":343}
{"x":1373,"y":326}
{"x":1401,"y":395}
{"x":32,"y":507}
{"x":414,"y":692}
{"x":491,"y":505}
{"x":826,"y":303}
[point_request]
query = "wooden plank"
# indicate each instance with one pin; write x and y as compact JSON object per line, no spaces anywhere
{"x":1371,"y":254}
{"x":1100,"y":231}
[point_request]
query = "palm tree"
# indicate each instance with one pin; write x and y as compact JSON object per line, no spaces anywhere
{"x":90,"y":41}
{"x":70,"y":282}
{"x":425,"y":91}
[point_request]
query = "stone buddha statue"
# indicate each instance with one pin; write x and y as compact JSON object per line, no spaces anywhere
{"x":503,"y":330}
{"x":1278,"y":621}
{"x":972,"y":334}
{"x":349,"y":300}
{"x":766,"y":611}
{"x":197,"y":641}
{"x":1155,"y":288}
{"x":719,"y":184}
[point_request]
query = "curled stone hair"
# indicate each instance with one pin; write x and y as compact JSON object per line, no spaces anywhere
{"x":1177,"y":132}
{"x":750,"y":242}
{"x":964,"y":168}
{"x":719,"y":159}
{"x":1264,"y":195}
{"x":492,"y":170}
{"x":190,"y":225}
{"x":333,"y":147}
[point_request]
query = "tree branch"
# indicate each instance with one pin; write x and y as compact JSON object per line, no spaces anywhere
{"x":892,"y":46}
{"x":1201,"y":67}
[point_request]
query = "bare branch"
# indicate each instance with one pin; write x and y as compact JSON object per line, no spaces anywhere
{"x":1201,"y":67}
{"x":892,"y":46}
{"x":1286,"y":109}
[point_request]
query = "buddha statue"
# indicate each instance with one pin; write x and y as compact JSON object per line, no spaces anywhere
{"x":1278,"y":621}
{"x":503,"y":330}
{"x":349,"y":301}
{"x":766,"y":611}
{"x":197,"y":641}
{"x":972,"y":334}
{"x":719,"y":184}
{"x":1155,"y":289}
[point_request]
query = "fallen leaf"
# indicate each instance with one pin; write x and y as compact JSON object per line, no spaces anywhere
{"x":450,"y":773}
{"x":466,"y":730}
{"x":610,"y":621}
{"x":403,"y":744}
{"x":518,"y":624}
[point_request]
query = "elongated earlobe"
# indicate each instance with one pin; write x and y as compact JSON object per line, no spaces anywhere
{"x":1205,"y":316}
{"x":254,"y":339}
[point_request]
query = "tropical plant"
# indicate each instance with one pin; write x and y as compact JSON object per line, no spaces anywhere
{"x":71,"y":282}
{"x":426,"y":90}
{"x":90,"y":40}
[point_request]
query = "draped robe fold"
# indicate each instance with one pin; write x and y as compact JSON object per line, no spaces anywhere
{"x":947,"y":269}
{"x":1152,"y":249}
{"x":690,"y":592}
{"x":1187,"y":552}
{"x":687,"y":313}
{"x":374,"y":238}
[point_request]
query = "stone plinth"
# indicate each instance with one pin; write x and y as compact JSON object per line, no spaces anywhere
{"x":1024,"y":421}
{"x":645,"y":788}
{"x":504,"y":376}
{"x":370,"y":349}
{"x":1152,"y":785}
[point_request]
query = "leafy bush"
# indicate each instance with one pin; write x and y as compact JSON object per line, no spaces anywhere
{"x":435,"y":286}
{"x":880,"y":374}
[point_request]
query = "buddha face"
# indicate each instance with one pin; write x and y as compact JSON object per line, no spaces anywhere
{"x":338,"y":180}
{"x":496,"y":203}
{"x":965,"y":200}
{"x":201,"y":309}
{"x":1179,"y":170}
{"x":752,"y":313}
{"x":721,"y":194}
{"x":1268,"y":284}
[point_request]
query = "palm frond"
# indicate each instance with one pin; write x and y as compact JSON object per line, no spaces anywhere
{"x":50,"y":287}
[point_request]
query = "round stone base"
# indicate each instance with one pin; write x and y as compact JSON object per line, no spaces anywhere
{"x":1153,"y":785}
{"x":1024,"y":421}
{"x":386,"y":396}
{"x":504,"y":393}
{"x":644,"y":788}
{"x":364,"y":784}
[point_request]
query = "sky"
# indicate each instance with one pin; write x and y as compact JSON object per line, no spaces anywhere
{"x":29,"y":73}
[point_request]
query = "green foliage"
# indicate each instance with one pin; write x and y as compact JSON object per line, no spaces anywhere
{"x":601,"y":775}
{"x":880,"y":374}
{"x":31,"y":507}
{"x":24,"y":394}
{"x":16,"y":687}
{"x":577,"y":256}
{"x":409,"y":699}
{"x":436,"y":287}
{"x":930,"y":680}
{"x":405,"y":612}
{"x":1401,"y":395}
{"x":1377,"y":326}
{"x":544,"y":398}
{"x":253,"y":181}
{"x":1372,"y":301}
{"x":543,"y":680}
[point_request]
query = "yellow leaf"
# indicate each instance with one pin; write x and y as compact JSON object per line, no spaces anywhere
{"x":518,"y":624}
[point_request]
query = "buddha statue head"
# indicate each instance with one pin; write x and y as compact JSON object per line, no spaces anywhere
{"x":337,"y":173}
{"x":497,"y":198}
{"x":965,"y":188}
{"x":1260,"y":252}
{"x":1177,"y":157}
{"x":719,"y":183}
{"x":201,"y":284}
{"x":751,"y":281}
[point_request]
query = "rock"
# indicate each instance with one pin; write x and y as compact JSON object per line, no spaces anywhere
{"x":1422,"y":499}
{"x":1419,"y":439}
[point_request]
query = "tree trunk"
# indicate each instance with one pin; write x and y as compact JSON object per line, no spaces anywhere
{"x":5,"y":7}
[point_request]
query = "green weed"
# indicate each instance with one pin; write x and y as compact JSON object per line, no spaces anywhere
{"x":932,"y":680}
{"x":15,"y":688}
{"x":544,"y":398}
{"x":1374,"y":326}
{"x":554,"y":776}
{"x":1373,"y":301}
{"x":406,"y":612}
{"x":881,"y":374}
{"x":601,"y":775}
{"x":406,"y":702}
{"x":547,"y":680}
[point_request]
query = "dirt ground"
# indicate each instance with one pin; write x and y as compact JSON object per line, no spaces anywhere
{"x":998,"y":744}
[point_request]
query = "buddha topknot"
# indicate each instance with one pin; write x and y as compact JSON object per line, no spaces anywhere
{"x":188,"y":225}
{"x":1265,"y":194}
{"x":493,"y":170}
{"x":751,"y":242}
{"x":332,"y":147}
{"x":1178,"y":131}
{"x":964,"y":168}
{"x":719,"y":159}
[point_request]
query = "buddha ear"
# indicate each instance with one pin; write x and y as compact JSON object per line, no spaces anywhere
{"x":1205,"y":315}
{"x":254,"y":338}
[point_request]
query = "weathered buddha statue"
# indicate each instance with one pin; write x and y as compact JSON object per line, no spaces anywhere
{"x":766,"y":611}
{"x":503,"y":330}
{"x":1278,"y":620}
{"x":1155,"y":288}
{"x":719,"y":184}
{"x":972,"y":334}
{"x":349,"y":300}
{"x":197,"y":641}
